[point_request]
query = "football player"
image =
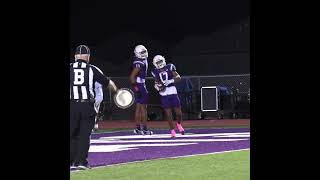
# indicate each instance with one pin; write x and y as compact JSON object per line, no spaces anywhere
{"x":138,"y":79}
{"x":165,"y":76}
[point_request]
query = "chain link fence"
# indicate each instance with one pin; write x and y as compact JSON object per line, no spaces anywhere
{"x":189,"y":92}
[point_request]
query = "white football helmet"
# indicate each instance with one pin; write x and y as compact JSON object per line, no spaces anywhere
{"x":159,"y":61}
{"x":141,"y":52}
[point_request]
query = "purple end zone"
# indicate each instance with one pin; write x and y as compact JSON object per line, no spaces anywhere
{"x":146,"y":152}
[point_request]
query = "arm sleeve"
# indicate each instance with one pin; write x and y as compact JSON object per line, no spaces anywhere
{"x":152,"y":73}
{"x":173,"y":67}
{"x":99,"y":76}
{"x":137,"y":64}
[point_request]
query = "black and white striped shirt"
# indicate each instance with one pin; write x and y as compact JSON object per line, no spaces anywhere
{"x":82,"y":79}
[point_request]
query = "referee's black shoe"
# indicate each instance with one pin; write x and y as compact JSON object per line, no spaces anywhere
{"x":73,"y":167}
{"x":83,"y":167}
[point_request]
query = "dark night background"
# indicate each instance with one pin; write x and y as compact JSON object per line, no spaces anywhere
{"x":199,"y":37}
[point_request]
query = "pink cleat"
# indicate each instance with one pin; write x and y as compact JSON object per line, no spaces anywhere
{"x":181,"y":130}
{"x":173,"y":133}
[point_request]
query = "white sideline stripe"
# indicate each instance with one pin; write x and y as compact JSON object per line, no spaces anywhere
{"x":115,"y":148}
{"x":220,"y":152}
{"x":166,"y":129}
{"x":157,"y":136}
{"x":98,"y":141}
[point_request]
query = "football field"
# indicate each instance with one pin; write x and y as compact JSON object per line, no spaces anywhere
{"x":199,"y":154}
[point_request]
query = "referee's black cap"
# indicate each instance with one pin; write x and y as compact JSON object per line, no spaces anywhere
{"x":82,"y":49}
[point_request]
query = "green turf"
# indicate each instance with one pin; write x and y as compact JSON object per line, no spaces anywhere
{"x":224,"y":166}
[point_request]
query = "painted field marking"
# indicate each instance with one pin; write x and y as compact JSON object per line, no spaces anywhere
{"x":119,"y":164}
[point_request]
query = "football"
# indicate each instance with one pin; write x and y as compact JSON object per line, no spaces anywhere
{"x":160,"y":85}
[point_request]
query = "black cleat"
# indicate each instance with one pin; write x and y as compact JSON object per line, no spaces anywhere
{"x":137,"y":131}
{"x":147,"y":132}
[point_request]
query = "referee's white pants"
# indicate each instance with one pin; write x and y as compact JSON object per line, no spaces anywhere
{"x":97,"y":105}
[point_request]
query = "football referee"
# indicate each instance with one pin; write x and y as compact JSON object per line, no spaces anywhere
{"x":82,"y":98}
